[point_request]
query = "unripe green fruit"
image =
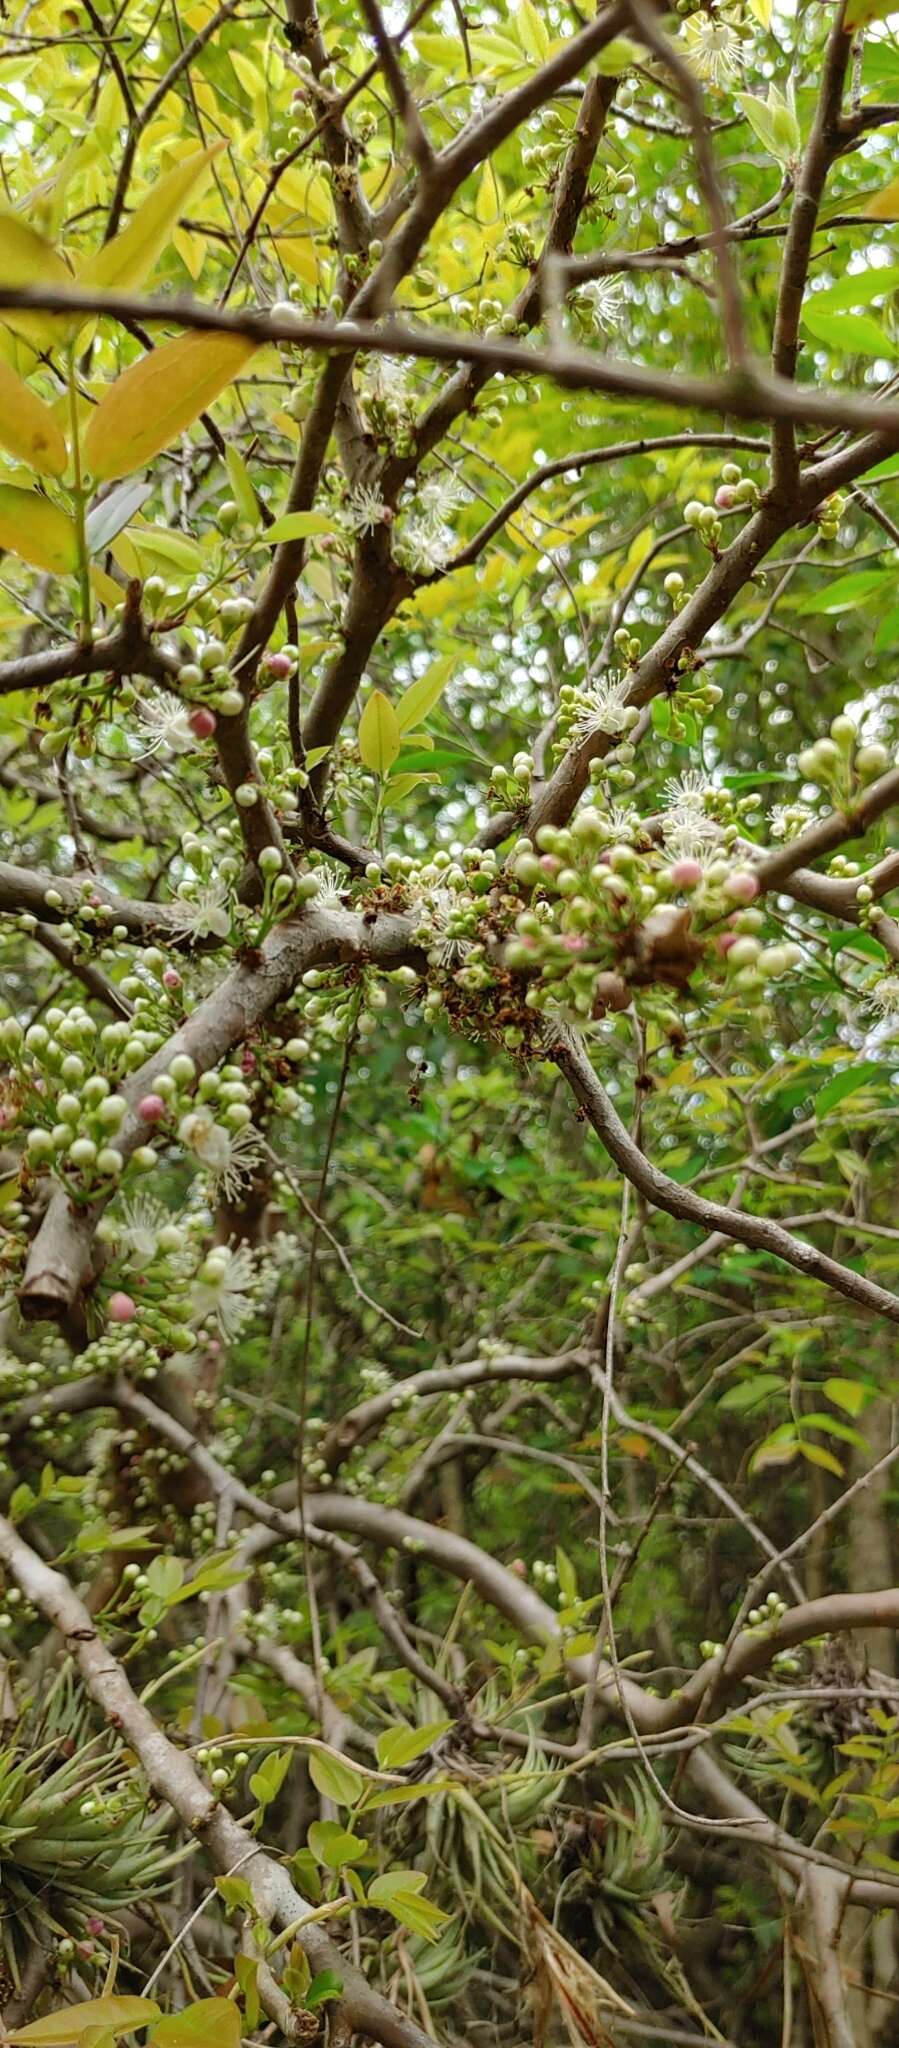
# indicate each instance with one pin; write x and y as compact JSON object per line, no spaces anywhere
{"x":872,"y":759}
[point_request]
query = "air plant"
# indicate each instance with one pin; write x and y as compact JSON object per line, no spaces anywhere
{"x":77,"y":1843}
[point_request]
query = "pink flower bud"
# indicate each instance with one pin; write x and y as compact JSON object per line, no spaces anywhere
{"x":724,"y":942}
{"x":741,"y":886}
{"x":574,"y":942}
{"x":171,"y":978}
{"x":95,"y":1925}
{"x":248,"y":1061}
{"x":202,"y":722}
{"x":550,"y":863}
{"x":725,"y":497}
{"x":686,"y":873}
{"x":121,"y":1308}
{"x":150,"y":1109}
{"x":519,"y":1567}
{"x":278,"y":664}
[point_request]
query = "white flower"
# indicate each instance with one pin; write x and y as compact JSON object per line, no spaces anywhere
{"x":142,"y":1220}
{"x":606,"y":298}
{"x":424,"y":545}
{"x":363,"y":509}
{"x":452,"y":945}
{"x":386,"y":379}
{"x":203,"y":916}
{"x":222,"y":1289}
{"x":441,"y":494}
{"x":164,"y":724}
{"x":684,"y":843}
{"x":603,"y":707}
{"x":621,"y":824}
{"x":229,"y":1157}
{"x":788,"y":820}
{"x":332,"y":885}
{"x":884,"y":996}
{"x":686,"y":792}
{"x":714,"y":50}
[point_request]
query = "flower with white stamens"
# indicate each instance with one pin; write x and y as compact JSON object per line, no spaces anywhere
{"x":164,"y":724}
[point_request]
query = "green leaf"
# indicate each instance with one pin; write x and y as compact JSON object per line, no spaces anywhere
{"x":857,"y":288}
{"x":295,"y":526}
{"x":398,"y":787}
{"x":846,"y":1394}
{"x":106,"y":520}
{"x":334,"y":1845}
{"x":113,"y":2015}
{"x":235,"y":1892}
{"x":752,"y":1393}
{"x":266,"y":1783}
{"x":164,"y":1577}
{"x":856,"y":333}
{"x":242,"y":485}
{"x":398,"y":1746}
{"x":887,"y":633}
{"x":846,"y":592}
{"x":379,"y":734}
{"x":324,"y":1986}
{"x":567,"y":1576}
{"x":336,"y":1779}
{"x":421,"y":696}
{"x":846,"y":1083}
{"x":398,"y":1892}
{"x":21,"y":1503}
{"x":210,"y":2023}
{"x":246,"y":1970}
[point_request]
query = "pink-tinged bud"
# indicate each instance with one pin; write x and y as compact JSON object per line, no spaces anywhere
{"x":95,"y":1925}
{"x":724,"y":942}
{"x":725,"y":497}
{"x":171,"y":978}
{"x":150,"y":1109}
{"x":574,"y":942}
{"x":686,"y":873}
{"x":278,"y":664}
{"x":202,"y":723}
{"x":121,"y":1308}
{"x":741,"y":886}
{"x":8,"y":1116}
{"x":550,"y":863}
{"x":519,"y":1567}
{"x":248,"y":1061}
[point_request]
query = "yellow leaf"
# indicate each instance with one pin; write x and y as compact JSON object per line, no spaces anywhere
{"x":154,"y":401}
{"x":532,"y":32}
{"x":246,"y":74}
{"x":488,"y":204}
{"x":191,"y":249}
{"x":25,"y":258}
{"x":762,"y":11}
{"x":27,"y":427}
{"x":37,"y":531}
{"x":125,"y":263}
{"x":379,"y":734}
{"x":113,"y":2015}
{"x":297,"y":253}
{"x":107,"y":590}
{"x":884,"y":205}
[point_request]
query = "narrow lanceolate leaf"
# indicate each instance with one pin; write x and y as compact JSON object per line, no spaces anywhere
{"x":26,"y":259}
{"x":158,"y":397}
{"x":126,"y":262}
{"x":379,"y":734}
{"x":27,"y":427}
{"x":36,"y":530}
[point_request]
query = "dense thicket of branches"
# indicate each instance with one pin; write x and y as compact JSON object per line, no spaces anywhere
{"x":450,"y":1001}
